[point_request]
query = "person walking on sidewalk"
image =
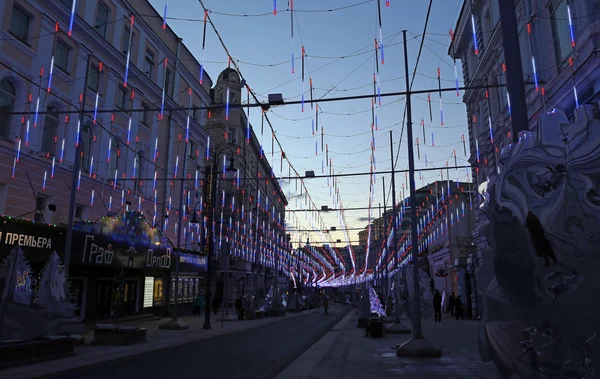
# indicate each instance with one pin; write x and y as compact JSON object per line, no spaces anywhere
{"x":437,"y":306}
{"x":326,"y":304}
{"x":458,"y":308}
{"x":451,"y":302}
{"x":215,"y":305}
{"x":239,"y":308}
{"x":198,"y":305}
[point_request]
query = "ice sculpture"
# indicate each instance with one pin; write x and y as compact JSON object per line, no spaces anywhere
{"x":540,"y":271}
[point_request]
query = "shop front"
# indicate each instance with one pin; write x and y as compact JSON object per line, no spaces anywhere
{"x":109,"y":265}
{"x":192,"y":280}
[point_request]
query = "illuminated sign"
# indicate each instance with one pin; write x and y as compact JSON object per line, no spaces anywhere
{"x":148,"y":291}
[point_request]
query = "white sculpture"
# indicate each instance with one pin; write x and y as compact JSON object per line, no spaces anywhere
{"x":540,"y":272}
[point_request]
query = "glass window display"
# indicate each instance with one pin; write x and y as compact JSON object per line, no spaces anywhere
{"x":159,"y":291}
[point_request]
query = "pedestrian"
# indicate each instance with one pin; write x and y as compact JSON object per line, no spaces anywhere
{"x":198,"y":305}
{"x":239,"y":304}
{"x":451,"y":301}
{"x":458,"y":308}
{"x":326,"y":304}
{"x":437,"y":306}
{"x":215,"y":305}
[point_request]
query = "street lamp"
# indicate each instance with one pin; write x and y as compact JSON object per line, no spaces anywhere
{"x":209,"y":239}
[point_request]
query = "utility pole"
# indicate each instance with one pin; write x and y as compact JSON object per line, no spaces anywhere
{"x":417,"y":346}
{"x":387,"y":253}
{"x":75,"y":173}
{"x":514,"y":69}
{"x":174,"y":323}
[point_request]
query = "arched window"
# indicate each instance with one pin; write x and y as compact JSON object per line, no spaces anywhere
{"x":7,"y":103}
{"x":86,"y":147}
{"x":50,"y":130}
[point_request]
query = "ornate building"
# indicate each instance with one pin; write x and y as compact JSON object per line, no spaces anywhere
{"x":131,"y":152}
{"x":252,"y":194}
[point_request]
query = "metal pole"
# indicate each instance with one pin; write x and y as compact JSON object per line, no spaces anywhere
{"x":514,"y":70}
{"x":385,"y":258}
{"x":75,"y":175}
{"x":210,"y":242}
{"x":416,"y":320}
{"x":394,"y":225}
{"x":180,"y":215}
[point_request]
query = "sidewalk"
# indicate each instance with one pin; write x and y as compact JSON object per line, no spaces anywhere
{"x":345,"y":353}
{"x":158,"y":339}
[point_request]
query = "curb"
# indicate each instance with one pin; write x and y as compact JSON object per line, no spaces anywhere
{"x":88,"y":358}
{"x":306,"y":363}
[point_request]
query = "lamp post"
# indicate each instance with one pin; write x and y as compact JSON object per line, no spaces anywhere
{"x":209,"y":240}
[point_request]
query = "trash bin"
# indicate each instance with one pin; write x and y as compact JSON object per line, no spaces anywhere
{"x":376,"y":327}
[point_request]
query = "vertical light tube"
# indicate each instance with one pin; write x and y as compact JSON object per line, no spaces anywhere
{"x":128,"y":52}
{"x":475,"y":45}
{"x":187,"y":124}
{"x":203,"y":46}
{"x":52,"y":59}
{"x":162,"y":102}
{"x":72,"y":17}
{"x":164,"y":25}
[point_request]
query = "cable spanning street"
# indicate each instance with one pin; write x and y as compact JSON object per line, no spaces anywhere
{"x":258,"y":353}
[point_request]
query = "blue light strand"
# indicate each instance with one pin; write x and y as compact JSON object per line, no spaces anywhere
{"x":72,"y":18}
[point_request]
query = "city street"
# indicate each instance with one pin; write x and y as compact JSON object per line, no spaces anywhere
{"x":261,"y":352}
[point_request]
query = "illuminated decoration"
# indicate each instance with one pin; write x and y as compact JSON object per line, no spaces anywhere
{"x":312,"y":119}
{"x":52,"y":59}
{"x":162,"y":101}
{"x":62,"y":145}
{"x":155,"y":149}
{"x":303,"y":55}
{"x":37,"y":103}
{"x":92,"y":199}
{"x":571,"y":25}
{"x":573,"y":81}
{"x":380,"y":31}
{"x":227,"y":93}
{"x":164,"y":25}
{"x":203,"y":46}
{"x":98,"y":91}
{"x":487,"y":97}
{"x":292,"y":30}
{"x":79,"y":179}
{"x":128,"y":51}
{"x":535,"y":77}
{"x":274,"y":7}
{"x":439,"y":77}
{"x":376,"y":76}
{"x":27,"y":126}
{"x":72,"y":17}
{"x":207,"y":147}
{"x":187,"y":123}
{"x":475,"y":45}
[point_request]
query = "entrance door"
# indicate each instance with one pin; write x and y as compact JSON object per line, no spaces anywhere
{"x":77,"y":290}
{"x":129,"y":297}
{"x":104,"y":295}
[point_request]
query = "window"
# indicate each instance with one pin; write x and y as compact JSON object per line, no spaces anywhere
{"x":192,"y":149}
{"x":102,"y":19}
{"x":195,"y":113}
{"x":232,"y":135}
{"x":86,"y":147}
{"x":50,"y":130}
{"x":146,"y":114}
{"x":3,"y":197}
{"x":81,"y":212}
{"x":561,"y":33}
{"x":61,"y":55}
{"x":149,"y":63}
{"x":19,"y":24}
{"x":122,"y":97}
{"x":126,"y":39}
{"x":167,"y":82}
{"x":231,"y":98}
{"x":94,"y":79}
{"x":40,"y":209}
{"x":7,"y":103}
{"x":114,"y":159}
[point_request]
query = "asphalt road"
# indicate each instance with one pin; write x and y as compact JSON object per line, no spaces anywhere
{"x":257,"y":353}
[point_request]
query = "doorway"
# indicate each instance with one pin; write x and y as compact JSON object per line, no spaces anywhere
{"x":129,"y":297}
{"x":77,"y":290}
{"x":104,"y":295}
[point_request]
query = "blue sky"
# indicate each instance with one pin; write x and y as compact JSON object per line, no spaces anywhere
{"x":263,"y":47}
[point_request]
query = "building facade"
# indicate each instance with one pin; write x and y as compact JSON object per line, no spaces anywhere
{"x":558,"y":41}
{"x":132,"y":151}
{"x":253,"y":198}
